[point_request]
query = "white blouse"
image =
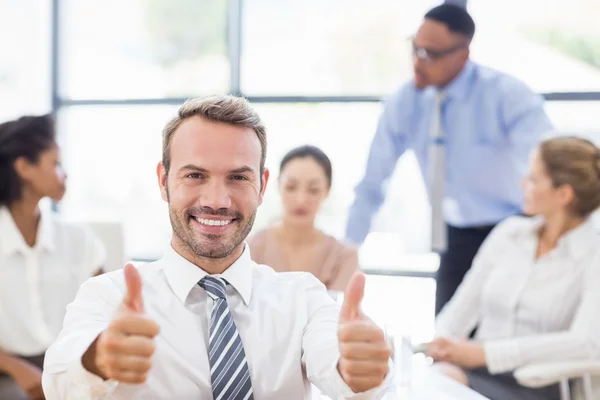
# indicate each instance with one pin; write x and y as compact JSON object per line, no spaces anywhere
{"x":529,"y":310}
{"x":37,"y":283}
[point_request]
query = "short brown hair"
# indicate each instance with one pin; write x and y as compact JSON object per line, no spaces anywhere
{"x":574,"y":161}
{"x":227,"y":109}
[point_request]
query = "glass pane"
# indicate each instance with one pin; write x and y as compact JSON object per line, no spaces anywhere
{"x":110,"y":154}
{"x":344,"y":132}
{"x":552,"y":45}
{"x":387,"y":300}
{"x":335,"y":47}
{"x":25,"y":65}
{"x":575,"y":117}
{"x":143,"y":48}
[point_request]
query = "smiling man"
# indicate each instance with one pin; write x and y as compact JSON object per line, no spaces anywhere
{"x":205,"y":321}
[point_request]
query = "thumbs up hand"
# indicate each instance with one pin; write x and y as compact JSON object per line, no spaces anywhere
{"x":123,"y":351}
{"x":133,"y":300}
{"x":364,"y":351}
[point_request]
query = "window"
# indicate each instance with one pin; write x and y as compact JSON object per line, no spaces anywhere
{"x":327,"y":47}
{"x":575,"y":117}
{"x":110,"y":155}
{"x":25,"y":66}
{"x":403,"y":306}
{"x":156,"y":51}
{"x":143,"y":48}
{"x":552,"y":45}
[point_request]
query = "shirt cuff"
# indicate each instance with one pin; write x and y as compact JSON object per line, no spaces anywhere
{"x":502,"y":355}
{"x":86,"y":385}
{"x":376,"y":393}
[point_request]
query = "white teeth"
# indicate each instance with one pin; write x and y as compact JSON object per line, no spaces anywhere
{"x":213,"y":222}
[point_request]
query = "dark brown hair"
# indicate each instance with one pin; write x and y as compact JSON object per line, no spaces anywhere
{"x":312,"y":152}
{"x":28,"y":137}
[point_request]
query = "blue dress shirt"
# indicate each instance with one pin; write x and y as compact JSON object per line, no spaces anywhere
{"x":491,"y":122}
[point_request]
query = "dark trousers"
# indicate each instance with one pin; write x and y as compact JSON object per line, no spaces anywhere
{"x":463,"y":244}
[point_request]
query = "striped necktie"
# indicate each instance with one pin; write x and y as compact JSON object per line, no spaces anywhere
{"x":437,"y":176}
{"x":229,"y":373}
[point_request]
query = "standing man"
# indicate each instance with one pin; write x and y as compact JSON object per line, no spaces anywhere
{"x":471,"y":128}
{"x":205,"y":321}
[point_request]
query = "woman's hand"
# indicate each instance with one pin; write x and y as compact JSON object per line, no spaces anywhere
{"x":29,"y":379}
{"x":463,"y":353}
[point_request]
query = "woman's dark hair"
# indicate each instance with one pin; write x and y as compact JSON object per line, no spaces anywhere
{"x":313,"y":152}
{"x":26,"y":137}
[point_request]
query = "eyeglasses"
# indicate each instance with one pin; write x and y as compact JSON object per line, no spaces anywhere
{"x":430,"y":56}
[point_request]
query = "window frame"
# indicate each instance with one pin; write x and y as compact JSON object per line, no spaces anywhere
{"x":233,"y":33}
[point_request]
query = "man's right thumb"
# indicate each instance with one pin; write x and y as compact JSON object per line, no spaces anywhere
{"x":133,"y":297}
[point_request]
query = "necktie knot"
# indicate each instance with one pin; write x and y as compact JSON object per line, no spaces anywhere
{"x":214,"y":286}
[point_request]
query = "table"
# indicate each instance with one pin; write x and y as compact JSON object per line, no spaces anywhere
{"x":433,"y":385}
{"x":425,"y":384}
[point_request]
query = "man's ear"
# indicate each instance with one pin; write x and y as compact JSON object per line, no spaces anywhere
{"x":265,"y":180}
{"x":161,"y":174}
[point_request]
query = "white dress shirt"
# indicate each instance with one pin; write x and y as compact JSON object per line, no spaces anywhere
{"x":37,"y":283}
{"x":530,"y":310}
{"x":287,"y":323}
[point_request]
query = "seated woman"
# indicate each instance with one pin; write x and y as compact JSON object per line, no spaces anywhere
{"x":295,"y":244}
{"x":533,"y":291}
{"x":42,"y":260}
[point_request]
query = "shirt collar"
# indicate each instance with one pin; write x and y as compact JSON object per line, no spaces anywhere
{"x":460,"y":86}
{"x":580,"y":240}
{"x":12,"y":240}
{"x":183,"y":275}
{"x":577,"y":242}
